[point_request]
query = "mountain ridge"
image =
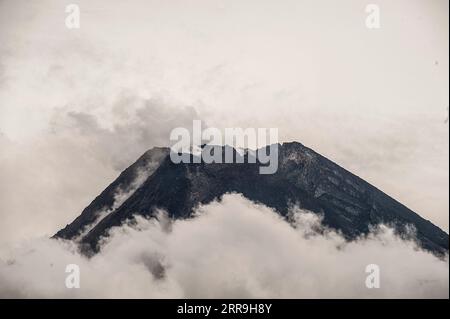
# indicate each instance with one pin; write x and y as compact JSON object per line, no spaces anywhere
{"x":306,"y":178}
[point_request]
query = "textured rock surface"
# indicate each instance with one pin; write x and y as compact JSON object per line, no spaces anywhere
{"x":347,"y":203}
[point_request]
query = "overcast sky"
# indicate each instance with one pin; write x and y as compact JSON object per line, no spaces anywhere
{"x":79,"y":105}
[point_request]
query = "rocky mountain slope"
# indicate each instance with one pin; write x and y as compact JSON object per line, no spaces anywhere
{"x":304,"y":177}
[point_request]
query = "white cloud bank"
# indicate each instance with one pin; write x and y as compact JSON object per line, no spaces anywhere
{"x":232,"y":248}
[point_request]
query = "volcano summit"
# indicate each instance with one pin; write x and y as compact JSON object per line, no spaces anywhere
{"x":304,"y":178}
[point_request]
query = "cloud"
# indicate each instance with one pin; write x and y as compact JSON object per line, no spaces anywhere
{"x":230,"y":248}
{"x":135,"y":125}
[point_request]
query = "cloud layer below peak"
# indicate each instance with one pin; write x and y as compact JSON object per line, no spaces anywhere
{"x":232,"y":248}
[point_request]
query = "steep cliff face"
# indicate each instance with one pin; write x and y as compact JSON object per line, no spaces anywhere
{"x":304,"y":178}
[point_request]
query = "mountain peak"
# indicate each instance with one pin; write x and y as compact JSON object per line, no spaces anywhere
{"x":304,"y":177}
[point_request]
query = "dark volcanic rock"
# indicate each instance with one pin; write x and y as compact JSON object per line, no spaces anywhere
{"x":347,"y":203}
